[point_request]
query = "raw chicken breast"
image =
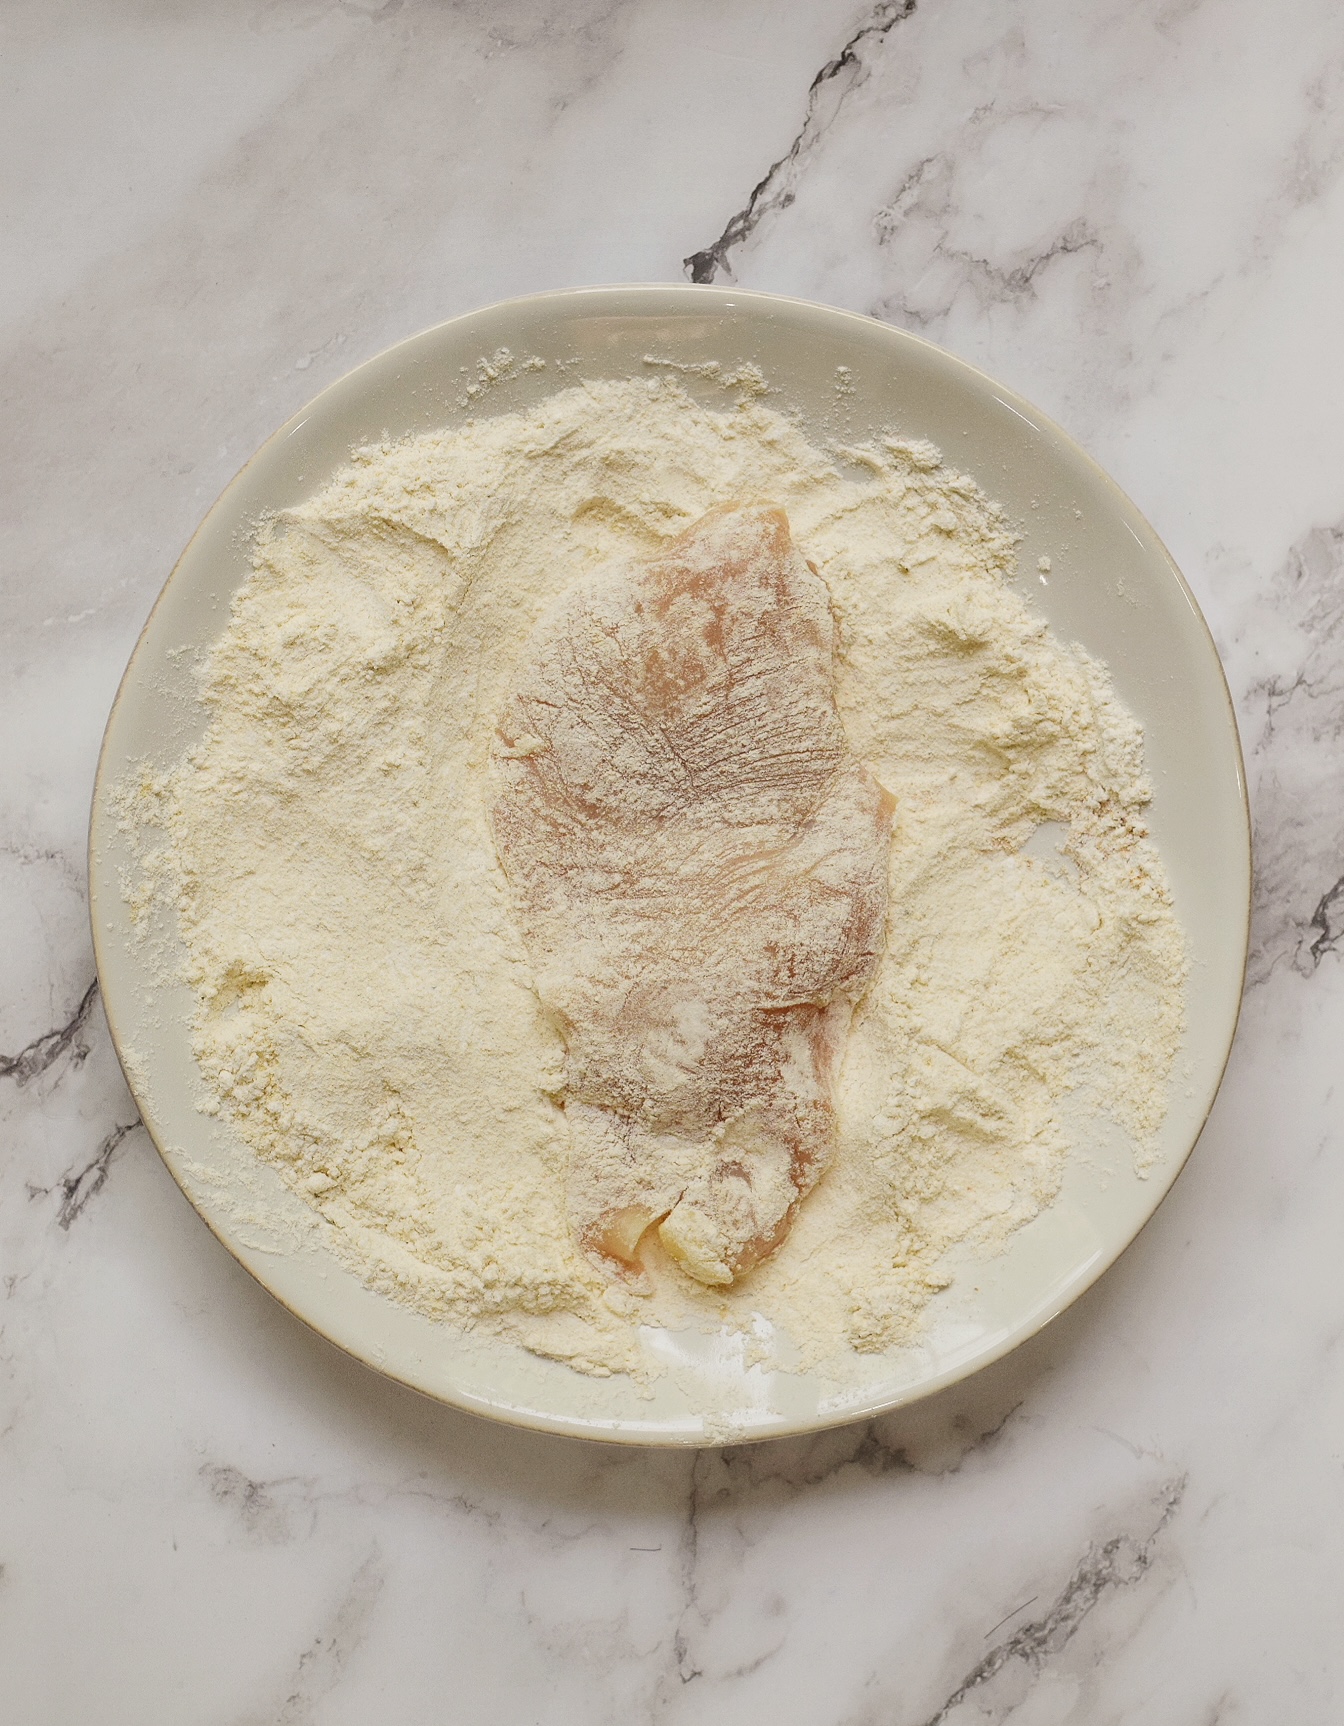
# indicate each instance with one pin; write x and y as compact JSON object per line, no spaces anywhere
{"x":699,"y":869}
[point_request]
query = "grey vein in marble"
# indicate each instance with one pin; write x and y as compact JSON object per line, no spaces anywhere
{"x":79,"y":1186}
{"x":1327,"y":920}
{"x":1295,"y":745}
{"x":825,"y":96}
{"x":323,"y":1661}
{"x":1120,"y":1562}
{"x":44,"y":1051}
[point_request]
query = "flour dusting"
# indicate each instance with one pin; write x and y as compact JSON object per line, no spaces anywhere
{"x":366,"y":1014}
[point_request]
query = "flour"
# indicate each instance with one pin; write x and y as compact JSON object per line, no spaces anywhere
{"x":366,"y":1018}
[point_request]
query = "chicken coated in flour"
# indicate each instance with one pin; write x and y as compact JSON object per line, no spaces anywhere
{"x":698,"y":864}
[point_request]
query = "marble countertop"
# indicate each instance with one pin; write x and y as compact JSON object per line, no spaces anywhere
{"x":1131,"y":211}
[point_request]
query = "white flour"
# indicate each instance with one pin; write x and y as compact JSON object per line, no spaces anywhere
{"x":366,"y":1018}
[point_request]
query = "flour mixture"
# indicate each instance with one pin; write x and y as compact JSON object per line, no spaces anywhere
{"x":368,"y":1018}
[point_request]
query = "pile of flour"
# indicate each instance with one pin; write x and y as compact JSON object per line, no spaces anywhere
{"x":365,"y":1012}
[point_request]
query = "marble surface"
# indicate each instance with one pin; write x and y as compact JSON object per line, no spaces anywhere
{"x":1133,"y":212}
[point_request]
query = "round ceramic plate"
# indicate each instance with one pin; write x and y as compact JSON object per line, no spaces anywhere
{"x":1117,"y":592}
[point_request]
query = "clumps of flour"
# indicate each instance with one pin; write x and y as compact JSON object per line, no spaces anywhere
{"x":365,"y":1017}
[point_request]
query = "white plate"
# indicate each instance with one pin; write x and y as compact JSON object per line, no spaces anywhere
{"x":1119,"y":594}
